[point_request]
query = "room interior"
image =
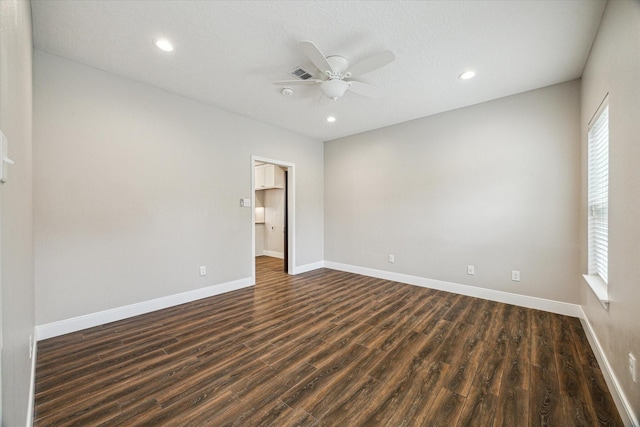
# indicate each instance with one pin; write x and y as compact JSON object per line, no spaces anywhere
{"x":270,"y":214}
{"x":133,"y":168}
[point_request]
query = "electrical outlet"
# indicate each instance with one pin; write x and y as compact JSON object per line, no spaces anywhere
{"x":632,"y":368}
{"x":471,"y":270}
{"x":203,"y":270}
{"x":515,"y":275}
{"x":392,"y":258}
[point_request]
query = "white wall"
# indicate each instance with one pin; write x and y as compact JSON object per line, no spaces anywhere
{"x":495,"y":185}
{"x":135,"y":188}
{"x":614,"y":67}
{"x":16,"y":206}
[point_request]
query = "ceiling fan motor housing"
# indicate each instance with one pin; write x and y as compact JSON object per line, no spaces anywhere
{"x":338,"y":66}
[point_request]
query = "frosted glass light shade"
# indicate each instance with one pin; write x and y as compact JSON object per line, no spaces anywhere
{"x":334,"y":88}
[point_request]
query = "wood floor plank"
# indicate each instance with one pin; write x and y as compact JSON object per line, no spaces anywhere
{"x":587,"y":358}
{"x":143,"y":408}
{"x":405,"y":401}
{"x":483,"y":319}
{"x":512,"y":407}
{"x":298,"y":418}
{"x":445,"y":410}
{"x":479,"y":408}
{"x":546,"y":405}
{"x":464,"y":367}
{"x":325,"y":348}
{"x":454,"y":342}
{"x":420,"y":350}
{"x":492,"y":367}
{"x":574,"y":392}
{"x":386,"y":334}
{"x":319,"y":384}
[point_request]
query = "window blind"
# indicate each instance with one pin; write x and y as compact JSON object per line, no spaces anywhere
{"x":598,"y":194}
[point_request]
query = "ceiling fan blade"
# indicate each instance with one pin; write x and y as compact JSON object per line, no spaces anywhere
{"x":371,"y":63}
{"x":364,"y":89}
{"x":308,"y":82}
{"x":324,"y":101}
{"x":316,"y":56}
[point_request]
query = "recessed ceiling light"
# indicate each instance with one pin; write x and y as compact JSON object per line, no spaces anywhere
{"x":164,"y":44}
{"x":467,"y":75}
{"x":331,"y":119}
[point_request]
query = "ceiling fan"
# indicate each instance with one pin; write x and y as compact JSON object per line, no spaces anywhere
{"x":337,"y":74}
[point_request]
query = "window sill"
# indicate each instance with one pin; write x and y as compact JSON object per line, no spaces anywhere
{"x":599,"y":288}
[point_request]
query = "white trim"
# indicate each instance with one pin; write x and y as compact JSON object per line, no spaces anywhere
{"x":621,"y":401}
{"x":552,"y":306}
{"x":273,"y":254}
{"x":599,"y":288}
{"x":32,"y":384}
{"x":54,"y":329}
{"x":308,"y":267}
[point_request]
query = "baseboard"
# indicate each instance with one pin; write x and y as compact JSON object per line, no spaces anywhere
{"x":273,"y":254}
{"x":54,"y":329}
{"x":552,"y":306}
{"x":308,"y":267}
{"x":621,"y":401}
{"x":32,"y":383}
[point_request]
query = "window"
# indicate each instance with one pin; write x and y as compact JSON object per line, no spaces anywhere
{"x":598,"y":201}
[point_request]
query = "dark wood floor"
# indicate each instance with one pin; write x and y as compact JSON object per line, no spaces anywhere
{"x":326,"y":348}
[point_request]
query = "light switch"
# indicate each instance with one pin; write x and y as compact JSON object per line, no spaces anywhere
{"x":245,"y":203}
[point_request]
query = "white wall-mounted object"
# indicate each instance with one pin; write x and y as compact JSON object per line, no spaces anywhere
{"x":5,"y":161}
{"x":269,"y":176}
{"x":245,"y":203}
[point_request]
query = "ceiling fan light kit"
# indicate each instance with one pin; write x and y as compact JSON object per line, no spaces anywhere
{"x":334,"y":88}
{"x":336,"y":73}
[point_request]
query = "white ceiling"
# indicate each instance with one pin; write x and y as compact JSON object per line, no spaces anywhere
{"x":227,"y":53}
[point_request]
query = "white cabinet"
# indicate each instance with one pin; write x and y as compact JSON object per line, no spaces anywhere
{"x":269,"y":176}
{"x":260,"y":177}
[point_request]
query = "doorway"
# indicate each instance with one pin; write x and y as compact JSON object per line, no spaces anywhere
{"x":273,"y":213}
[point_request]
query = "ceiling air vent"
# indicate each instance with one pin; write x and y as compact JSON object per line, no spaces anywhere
{"x":301,"y":73}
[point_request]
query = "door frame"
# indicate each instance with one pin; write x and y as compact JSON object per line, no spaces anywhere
{"x":291,"y":213}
